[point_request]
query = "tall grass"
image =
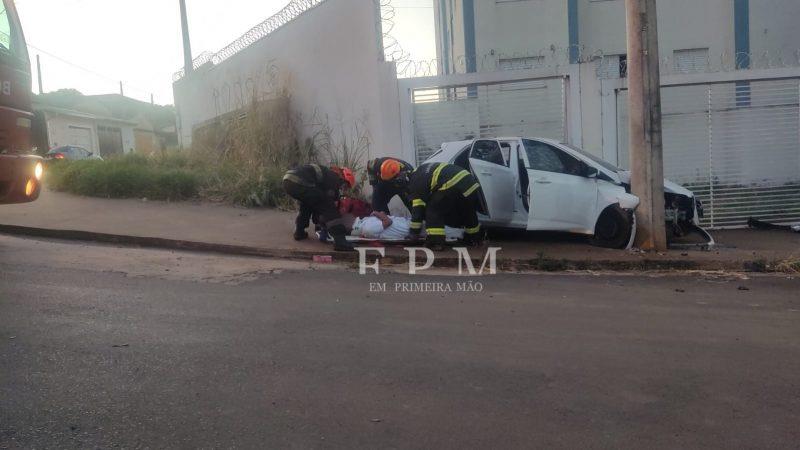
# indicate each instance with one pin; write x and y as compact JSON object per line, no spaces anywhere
{"x":239,"y":158}
{"x":166,"y":177}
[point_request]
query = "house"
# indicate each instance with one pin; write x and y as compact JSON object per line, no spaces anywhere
{"x":101,"y":135}
{"x":104,"y":124}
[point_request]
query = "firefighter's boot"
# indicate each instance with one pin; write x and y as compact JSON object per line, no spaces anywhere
{"x":340,"y":243}
{"x":300,"y":234}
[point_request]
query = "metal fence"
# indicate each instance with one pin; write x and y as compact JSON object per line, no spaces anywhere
{"x":534,"y":107}
{"x":735,"y":144}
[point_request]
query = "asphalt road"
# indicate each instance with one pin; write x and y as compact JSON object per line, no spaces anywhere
{"x":107,"y":347}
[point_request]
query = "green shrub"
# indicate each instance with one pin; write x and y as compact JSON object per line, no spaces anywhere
{"x":129,"y":176}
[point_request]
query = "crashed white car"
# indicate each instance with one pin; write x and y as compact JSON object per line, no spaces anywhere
{"x":540,"y":184}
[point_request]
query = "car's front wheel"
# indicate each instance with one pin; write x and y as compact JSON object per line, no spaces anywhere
{"x":614,"y":228}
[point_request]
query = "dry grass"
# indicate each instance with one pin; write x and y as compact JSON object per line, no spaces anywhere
{"x":249,"y":151}
{"x":790,"y":265}
{"x":238,"y":158}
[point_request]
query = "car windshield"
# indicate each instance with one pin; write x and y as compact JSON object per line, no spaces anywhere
{"x":607,"y":165}
{"x":11,"y":40}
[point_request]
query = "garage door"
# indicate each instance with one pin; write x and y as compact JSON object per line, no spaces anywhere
{"x":80,"y":137}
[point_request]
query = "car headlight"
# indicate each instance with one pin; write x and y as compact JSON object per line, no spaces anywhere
{"x":30,"y":187}
{"x":38,"y":171}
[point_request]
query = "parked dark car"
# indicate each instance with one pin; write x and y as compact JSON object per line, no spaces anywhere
{"x":72,"y":153}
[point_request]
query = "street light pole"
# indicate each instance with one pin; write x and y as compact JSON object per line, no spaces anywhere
{"x":646,"y":144}
{"x":39,"y":74}
{"x":187,"y":46}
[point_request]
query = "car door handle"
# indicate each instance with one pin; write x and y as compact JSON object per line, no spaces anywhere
{"x":488,"y":174}
{"x":543,"y":182}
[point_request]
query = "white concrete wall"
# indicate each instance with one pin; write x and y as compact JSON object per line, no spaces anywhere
{"x":520,"y":28}
{"x":328,"y":61}
{"x":60,"y":134}
{"x":774,"y":31}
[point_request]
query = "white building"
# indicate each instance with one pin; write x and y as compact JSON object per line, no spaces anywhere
{"x":101,"y":135}
{"x":474,"y":35}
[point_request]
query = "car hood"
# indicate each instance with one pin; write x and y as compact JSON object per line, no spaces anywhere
{"x":669,"y":186}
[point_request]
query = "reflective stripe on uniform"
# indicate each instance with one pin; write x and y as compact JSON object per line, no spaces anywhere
{"x":435,"y":231}
{"x":291,"y":176}
{"x":416,"y":225}
{"x":435,"y":177}
{"x":453,"y":181}
{"x":418,"y":203}
{"x":473,"y":230}
{"x":474,"y":188}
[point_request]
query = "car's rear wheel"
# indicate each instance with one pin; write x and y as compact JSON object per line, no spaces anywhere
{"x":614,"y":228}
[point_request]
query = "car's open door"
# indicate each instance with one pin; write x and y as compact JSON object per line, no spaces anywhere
{"x":498,"y":181}
{"x":562,"y":197}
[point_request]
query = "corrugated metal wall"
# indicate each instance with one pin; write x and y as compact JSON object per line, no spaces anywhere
{"x":737,"y":145}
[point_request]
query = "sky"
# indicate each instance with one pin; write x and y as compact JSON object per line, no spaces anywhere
{"x":92,"y":45}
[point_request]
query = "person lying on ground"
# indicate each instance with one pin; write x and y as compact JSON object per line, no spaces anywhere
{"x":383,"y":227}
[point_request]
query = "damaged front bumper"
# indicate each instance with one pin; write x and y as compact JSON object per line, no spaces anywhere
{"x":682,"y":216}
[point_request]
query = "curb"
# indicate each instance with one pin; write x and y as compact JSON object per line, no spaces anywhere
{"x":507,"y":265}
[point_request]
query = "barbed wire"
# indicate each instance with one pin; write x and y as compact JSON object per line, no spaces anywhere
{"x":551,"y":57}
{"x":609,"y":65}
{"x":289,"y":12}
{"x":392,"y":50}
{"x":198,"y":62}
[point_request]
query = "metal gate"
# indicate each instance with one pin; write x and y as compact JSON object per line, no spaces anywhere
{"x":534,"y":107}
{"x":735,"y":144}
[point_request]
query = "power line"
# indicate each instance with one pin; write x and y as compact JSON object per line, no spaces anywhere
{"x":87,"y":70}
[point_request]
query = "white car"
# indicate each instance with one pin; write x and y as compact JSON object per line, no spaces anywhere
{"x":540,"y":184}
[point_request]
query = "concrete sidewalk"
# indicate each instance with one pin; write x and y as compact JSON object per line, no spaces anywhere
{"x":214,"y":227}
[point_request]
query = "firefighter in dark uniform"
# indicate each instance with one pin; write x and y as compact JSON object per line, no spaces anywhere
{"x":317,"y":189}
{"x":444,"y":194}
{"x":388,"y":177}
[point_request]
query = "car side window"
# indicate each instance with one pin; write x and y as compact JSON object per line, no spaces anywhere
{"x":82,"y":152}
{"x":488,"y":151}
{"x":462,"y":160}
{"x":547,"y":158}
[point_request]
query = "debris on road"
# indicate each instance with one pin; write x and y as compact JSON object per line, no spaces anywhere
{"x":761,"y":225}
{"x":323,"y":259}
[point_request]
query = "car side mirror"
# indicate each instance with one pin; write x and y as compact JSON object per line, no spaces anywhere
{"x":590,"y":172}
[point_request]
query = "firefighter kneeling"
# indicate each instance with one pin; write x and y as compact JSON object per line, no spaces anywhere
{"x":317,"y":189}
{"x":444,"y":194}
{"x":388,"y":178}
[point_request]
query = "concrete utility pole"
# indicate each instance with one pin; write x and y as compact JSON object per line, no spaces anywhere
{"x":39,"y":73}
{"x":188,"y":67}
{"x":121,"y":91}
{"x":646,"y":145}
